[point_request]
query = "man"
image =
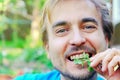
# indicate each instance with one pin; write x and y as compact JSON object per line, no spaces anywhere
{"x":71,"y":28}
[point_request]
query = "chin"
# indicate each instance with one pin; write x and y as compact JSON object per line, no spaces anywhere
{"x":82,"y":74}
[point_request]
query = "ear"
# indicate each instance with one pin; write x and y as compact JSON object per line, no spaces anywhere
{"x":47,"y":50}
{"x":107,"y":41}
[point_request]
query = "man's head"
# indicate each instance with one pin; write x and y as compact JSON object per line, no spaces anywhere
{"x":71,"y":27}
{"x":99,"y":4}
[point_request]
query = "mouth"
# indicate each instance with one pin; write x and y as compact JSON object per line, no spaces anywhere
{"x":78,"y":56}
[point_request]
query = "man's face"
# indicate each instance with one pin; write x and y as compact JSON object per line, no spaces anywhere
{"x":75,"y":27}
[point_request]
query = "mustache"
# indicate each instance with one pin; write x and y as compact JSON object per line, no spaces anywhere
{"x":79,"y":48}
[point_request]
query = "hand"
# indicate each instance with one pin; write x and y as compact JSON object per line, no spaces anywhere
{"x":107,"y":63}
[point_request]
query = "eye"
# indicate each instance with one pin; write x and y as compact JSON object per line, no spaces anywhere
{"x":61,"y":31}
{"x":89,"y":28}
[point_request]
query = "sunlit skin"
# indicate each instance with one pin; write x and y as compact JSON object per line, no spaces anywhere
{"x":75,"y":23}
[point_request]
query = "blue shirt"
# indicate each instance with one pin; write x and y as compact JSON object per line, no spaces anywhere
{"x":53,"y":75}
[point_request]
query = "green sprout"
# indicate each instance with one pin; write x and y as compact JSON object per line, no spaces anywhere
{"x":82,"y":59}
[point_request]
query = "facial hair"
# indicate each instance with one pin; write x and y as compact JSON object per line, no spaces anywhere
{"x":68,"y":76}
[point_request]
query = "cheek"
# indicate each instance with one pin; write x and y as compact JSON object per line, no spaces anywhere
{"x":57,"y":48}
{"x":57,"y":45}
{"x":98,"y":42}
{"x":56,"y":52}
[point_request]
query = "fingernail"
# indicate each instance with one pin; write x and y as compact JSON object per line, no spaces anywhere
{"x":103,"y":69}
{"x":91,"y":59}
{"x":91,"y":64}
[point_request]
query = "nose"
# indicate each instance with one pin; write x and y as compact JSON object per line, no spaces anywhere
{"x":77,"y":39}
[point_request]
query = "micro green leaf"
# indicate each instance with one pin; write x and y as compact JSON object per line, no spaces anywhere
{"x":84,"y":58}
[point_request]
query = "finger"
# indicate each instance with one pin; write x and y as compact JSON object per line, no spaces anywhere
{"x":113,"y":63}
{"x":92,"y":58}
{"x":109,"y":55}
{"x":99,"y":57}
{"x":106,"y":60}
{"x":98,"y":69}
{"x":97,"y":60}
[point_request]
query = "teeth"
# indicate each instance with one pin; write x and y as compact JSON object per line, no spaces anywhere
{"x":71,"y":57}
{"x":76,"y":56}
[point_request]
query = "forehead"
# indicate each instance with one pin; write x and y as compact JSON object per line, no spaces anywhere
{"x":65,"y":9}
{"x":65,"y":3}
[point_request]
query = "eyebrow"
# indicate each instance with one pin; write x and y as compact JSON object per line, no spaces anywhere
{"x":89,"y":20}
{"x":60,"y":23}
{"x":84,"y":20}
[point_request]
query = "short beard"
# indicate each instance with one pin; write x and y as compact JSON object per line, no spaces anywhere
{"x":91,"y":76}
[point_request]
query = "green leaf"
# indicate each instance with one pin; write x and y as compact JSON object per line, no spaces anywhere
{"x":77,"y":61}
{"x":90,"y":68}
{"x":84,"y":58}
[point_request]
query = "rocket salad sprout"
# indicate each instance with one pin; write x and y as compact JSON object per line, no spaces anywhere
{"x":84,"y":58}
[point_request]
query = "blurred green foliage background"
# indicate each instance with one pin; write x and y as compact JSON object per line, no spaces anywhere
{"x":21,"y":48}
